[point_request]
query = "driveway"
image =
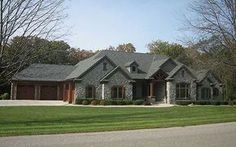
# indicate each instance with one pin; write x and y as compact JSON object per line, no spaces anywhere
{"x":214,"y":135}
{"x":31,"y":103}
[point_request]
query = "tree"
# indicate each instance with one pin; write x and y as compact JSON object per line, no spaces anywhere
{"x":26,"y":18}
{"x":77,"y":55}
{"x":165,"y":48}
{"x":216,"y":21}
{"x":126,"y":47}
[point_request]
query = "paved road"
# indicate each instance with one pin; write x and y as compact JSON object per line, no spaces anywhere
{"x":215,"y":135}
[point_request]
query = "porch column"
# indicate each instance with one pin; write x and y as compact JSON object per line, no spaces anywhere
{"x":103,"y":91}
{"x":168,"y":92}
{"x":12,"y":90}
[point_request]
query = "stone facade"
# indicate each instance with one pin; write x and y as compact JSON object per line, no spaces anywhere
{"x":93,"y":77}
{"x":210,"y":82}
{"x":182,"y":76}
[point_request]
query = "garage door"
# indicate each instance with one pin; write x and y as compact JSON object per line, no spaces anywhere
{"x":25,"y":92}
{"x":48,"y":93}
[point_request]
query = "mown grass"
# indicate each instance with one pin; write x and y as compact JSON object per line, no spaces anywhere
{"x":64,"y":119}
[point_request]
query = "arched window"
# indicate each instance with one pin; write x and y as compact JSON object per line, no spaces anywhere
{"x":205,"y":93}
{"x":117,"y":92}
{"x":215,"y":92}
{"x":182,"y":91}
{"x":90,"y":91}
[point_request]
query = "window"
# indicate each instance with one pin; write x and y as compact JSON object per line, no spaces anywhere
{"x":215,"y":92}
{"x":205,"y":93}
{"x":90,"y":91}
{"x":117,"y":92}
{"x":182,"y":91}
{"x":133,"y":68}
{"x":104,"y":66}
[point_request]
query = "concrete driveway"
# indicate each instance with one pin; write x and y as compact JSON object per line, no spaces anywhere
{"x":32,"y":103}
{"x":214,"y":135}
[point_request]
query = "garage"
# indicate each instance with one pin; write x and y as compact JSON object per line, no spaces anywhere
{"x":48,"y":93}
{"x":25,"y":92}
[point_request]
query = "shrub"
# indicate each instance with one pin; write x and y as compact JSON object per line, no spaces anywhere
{"x":105,"y":102}
{"x":138,"y":102}
{"x":79,"y":101}
{"x":183,"y":102}
{"x":5,"y":96}
{"x":85,"y":102}
{"x":128,"y":102}
{"x":147,"y":103}
{"x":95,"y":102}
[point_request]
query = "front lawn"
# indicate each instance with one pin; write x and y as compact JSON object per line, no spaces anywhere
{"x":64,"y":119}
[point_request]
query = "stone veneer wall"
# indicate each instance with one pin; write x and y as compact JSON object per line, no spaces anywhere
{"x":118,"y":79}
{"x":206,"y":83}
{"x":178,"y":78}
{"x":93,"y":78}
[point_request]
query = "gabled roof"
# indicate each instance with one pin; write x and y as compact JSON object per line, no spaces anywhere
{"x":177,"y":68}
{"x":148,"y":65}
{"x":201,"y":74}
{"x":84,"y":66}
{"x":44,"y":72}
{"x":108,"y":75}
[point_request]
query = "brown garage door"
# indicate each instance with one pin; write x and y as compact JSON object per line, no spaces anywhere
{"x":25,"y":92}
{"x":48,"y":93}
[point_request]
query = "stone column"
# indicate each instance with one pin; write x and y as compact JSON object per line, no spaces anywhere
{"x":168,"y":92}
{"x":12,"y":90}
{"x":103,"y":91}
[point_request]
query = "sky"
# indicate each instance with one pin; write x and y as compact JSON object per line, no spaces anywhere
{"x":97,"y":24}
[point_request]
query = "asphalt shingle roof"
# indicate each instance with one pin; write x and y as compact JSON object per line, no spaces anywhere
{"x":147,"y":65}
{"x":44,"y":72}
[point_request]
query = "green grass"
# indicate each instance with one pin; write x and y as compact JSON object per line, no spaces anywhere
{"x":64,"y":119}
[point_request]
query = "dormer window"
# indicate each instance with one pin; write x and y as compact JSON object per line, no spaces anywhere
{"x":104,"y":66}
{"x":133,"y":69}
{"x":132,"y":66}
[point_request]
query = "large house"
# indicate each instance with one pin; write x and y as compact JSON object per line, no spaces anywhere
{"x":117,"y":75}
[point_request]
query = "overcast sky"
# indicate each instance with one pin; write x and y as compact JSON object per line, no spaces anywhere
{"x":96,"y":24}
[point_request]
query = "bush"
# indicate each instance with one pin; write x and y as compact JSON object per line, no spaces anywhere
{"x":138,"y":102}
{"x":105,"y":102}
{"x":95,"y":102}
{"x":85,"y":102}
{"x":147,"y":103}
{"x":5,"y":96}
{"x":128,"y":102}
{"x":183,"y":102}
{"x":79,"y":101}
